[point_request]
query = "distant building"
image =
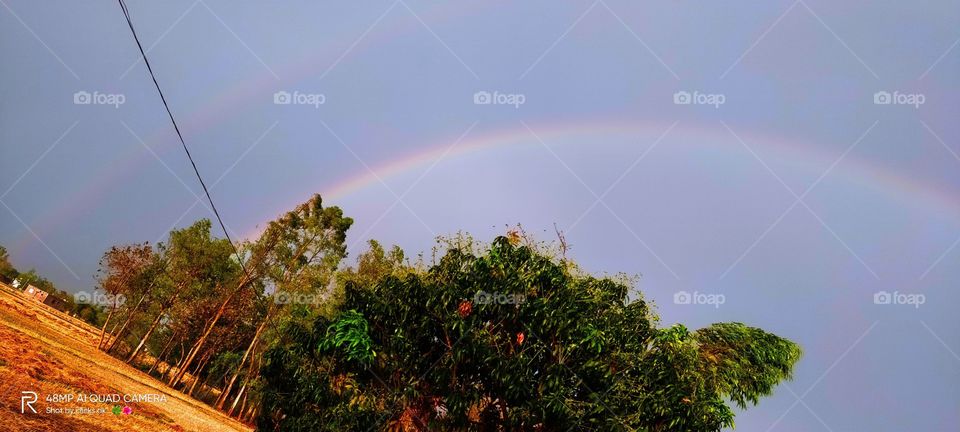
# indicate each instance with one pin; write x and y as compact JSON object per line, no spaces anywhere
{"x":45,"y":298}
{"x":36,"y":293}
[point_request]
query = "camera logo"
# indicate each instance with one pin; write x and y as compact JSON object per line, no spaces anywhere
{"x":297,"y":98}
{"x":281,"y":98}
{"x":496,"y":98}
{"x":698,"y":298}
{"x":881,"y":98}
{"x":81,"y":98}
{"x":896,"y":98}
{"x":683,"y":97}
{"x":96,"y":98}
{"x":282,"y":298}
{"x":898,"y":298}
{"x":27,"y":399}
{"x":482,"y":98}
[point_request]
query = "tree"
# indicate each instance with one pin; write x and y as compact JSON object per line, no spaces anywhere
{"x":7,"y":271}
{"x":204,"y":269}
{"x":123,"y":270}
{"x":510,"y":339}
{"x":32,"y":278}
{"x":305,"y":247}
{"x":191,"y":265}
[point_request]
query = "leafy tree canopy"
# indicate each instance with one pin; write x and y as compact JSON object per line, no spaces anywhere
{"x":7,"y":271}
{"x":509,"y":339}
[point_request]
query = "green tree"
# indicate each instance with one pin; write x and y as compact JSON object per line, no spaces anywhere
{"x":7,"y":271}
{"x":123,"y":271}
{"x":302,"y":249}
{"x":510,"y":339}
{"x":31,"y":277}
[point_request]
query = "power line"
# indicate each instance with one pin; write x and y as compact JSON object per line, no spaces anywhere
{"x":126,"y":15}
{"x":143,"y":54}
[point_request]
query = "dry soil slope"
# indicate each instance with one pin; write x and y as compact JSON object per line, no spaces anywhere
{"x":46,"y":351}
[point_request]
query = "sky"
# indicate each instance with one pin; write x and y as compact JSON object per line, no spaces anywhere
{"x":792,"y":165}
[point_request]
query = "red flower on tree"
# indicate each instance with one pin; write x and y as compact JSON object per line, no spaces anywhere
{"x":520,"y":338}
{"x":465,"y":308}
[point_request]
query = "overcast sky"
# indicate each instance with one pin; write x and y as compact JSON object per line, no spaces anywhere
{"x":815,"y":168}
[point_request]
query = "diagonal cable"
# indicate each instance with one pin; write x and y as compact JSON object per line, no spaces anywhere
{"x":146,"y":61}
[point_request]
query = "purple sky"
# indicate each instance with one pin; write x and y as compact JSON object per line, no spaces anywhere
{"x":798,"y":198}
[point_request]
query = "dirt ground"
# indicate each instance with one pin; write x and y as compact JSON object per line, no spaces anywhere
{"x":50,"y":353}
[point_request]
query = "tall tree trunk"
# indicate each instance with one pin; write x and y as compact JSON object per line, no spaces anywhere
{"x":213,"y":322}
{"x":226,"y":390}
{"x":103,"y":331}
{"x":196,"y":373}
{"x":243,"y":388}
{"x":146,"y":336}
{"x":163,"y":352}
{"x":243,"y":406}
{"x":109,"y":335}
{"x":126,"y":323}
{"x":254,"y":365}
{"x":163,"y":309}
{"x":188,"y":357}
{"x":179,"y":362}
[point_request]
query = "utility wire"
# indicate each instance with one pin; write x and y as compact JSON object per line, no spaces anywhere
{"x":126,"y":14}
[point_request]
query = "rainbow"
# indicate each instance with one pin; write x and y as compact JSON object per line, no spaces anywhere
{"x":893,"y":184}
{"x":236,"y":98}
{"x":907,"y":190}
{"x":233,"y":99}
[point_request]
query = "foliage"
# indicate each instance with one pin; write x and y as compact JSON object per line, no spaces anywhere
{"x":7,"y":271}
{"x":349,"y":336}
{"x":509,"y":339}
{"x":31,"y":277}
